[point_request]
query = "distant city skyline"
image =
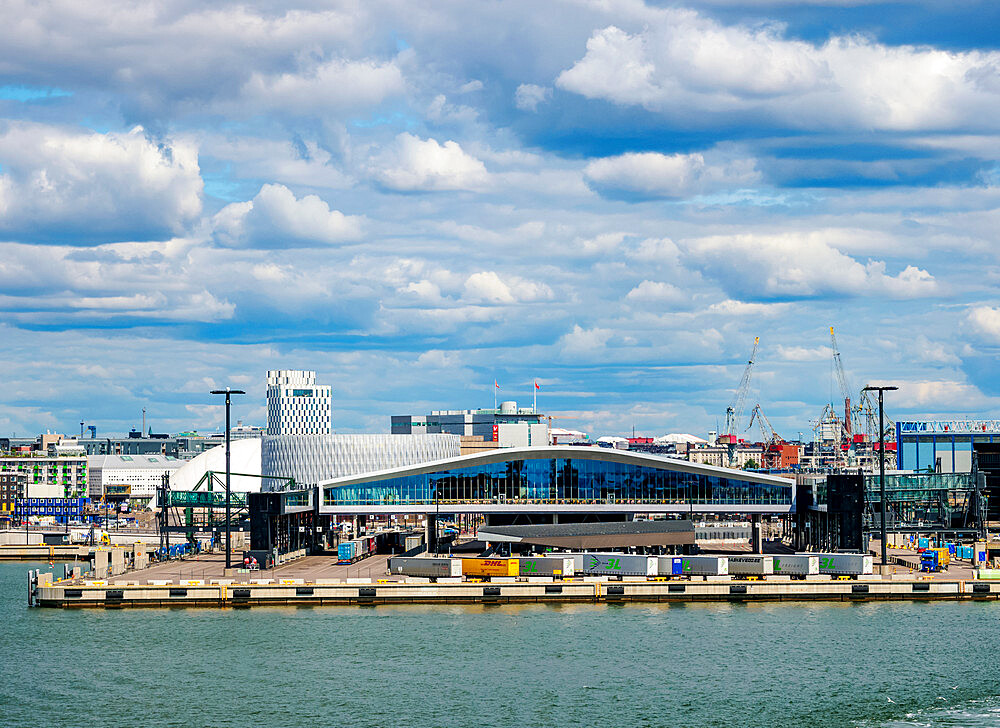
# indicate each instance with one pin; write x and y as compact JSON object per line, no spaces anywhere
{"x":418,"y":200}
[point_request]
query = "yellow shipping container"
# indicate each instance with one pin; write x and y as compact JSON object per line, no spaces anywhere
{"x":490,"y":567}
{"x":944,"y":556}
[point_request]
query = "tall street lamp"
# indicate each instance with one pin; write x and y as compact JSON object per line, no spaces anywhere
{"x":881,"y":458}
{"x":227,"y":391}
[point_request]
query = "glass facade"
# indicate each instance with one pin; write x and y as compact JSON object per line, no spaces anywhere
{"x":920,"y":452}
{"x":559,"y":480}
{"x":921,"y":444}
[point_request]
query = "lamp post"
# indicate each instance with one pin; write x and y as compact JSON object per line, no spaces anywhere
{"x":881,"y":458}
{"x":228,"y":392}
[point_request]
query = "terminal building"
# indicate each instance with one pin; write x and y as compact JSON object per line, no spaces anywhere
{"x":559,"y":479}
{"x":548,"y":484}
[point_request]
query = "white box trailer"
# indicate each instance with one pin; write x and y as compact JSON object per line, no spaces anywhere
{"x":692,"y":565}
{"x":844,"y":564}
{"x":796,"y":564}
{"x":618,"y":565}
{"x":752,"y":565}
{"x":431,"y":568}
{"x":546,"y":566}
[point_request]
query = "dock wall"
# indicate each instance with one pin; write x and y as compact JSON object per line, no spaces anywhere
{"x":292,"y":592}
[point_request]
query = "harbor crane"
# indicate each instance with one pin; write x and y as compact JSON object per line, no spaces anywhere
{"x":768,"y":433}
{"x":845,"y":389}
{"x":734,"y":412}
{"x":863,"y":416}
{"x":771,"y":441}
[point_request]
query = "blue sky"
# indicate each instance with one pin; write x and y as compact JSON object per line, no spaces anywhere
{"x":417,"y":198}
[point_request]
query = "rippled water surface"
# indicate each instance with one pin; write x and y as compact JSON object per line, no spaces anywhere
{"x":881,"y":664}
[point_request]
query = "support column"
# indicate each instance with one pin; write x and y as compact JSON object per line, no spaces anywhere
{"x":430,"y":533}
{"x":101,"y":564}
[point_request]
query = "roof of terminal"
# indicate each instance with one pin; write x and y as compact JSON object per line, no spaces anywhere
{"x":559,"y":451}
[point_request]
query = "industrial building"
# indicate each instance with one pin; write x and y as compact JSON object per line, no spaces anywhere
{"x":183,"y":446}
{"x":508,"y":425}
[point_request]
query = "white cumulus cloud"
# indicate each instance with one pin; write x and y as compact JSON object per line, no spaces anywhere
{"x":489,"y":287}
{"x":793,"y":265}
{"x":416,"y":164}
{"x":65,"y":184}
{"x":276,"y":219}
{"x":684,"y":64}
{"x":336,"y":85}
{"x":655,"y":292}
{"x":650,"y":174}
{"x":528,"y":96}
{"x":985,"y":320}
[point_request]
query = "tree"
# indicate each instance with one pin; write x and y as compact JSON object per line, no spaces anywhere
{"x":750,"y":464}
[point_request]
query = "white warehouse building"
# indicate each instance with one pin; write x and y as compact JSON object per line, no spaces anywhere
{"x":137,"y":475}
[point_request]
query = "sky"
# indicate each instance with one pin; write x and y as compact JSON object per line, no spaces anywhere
{"x":420,"y":198}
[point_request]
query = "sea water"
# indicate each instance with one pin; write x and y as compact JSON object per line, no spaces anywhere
{"x":883,"y":664}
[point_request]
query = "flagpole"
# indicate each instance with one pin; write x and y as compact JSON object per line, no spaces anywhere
{"x":534,"y":394}
{"x":496,"y":386}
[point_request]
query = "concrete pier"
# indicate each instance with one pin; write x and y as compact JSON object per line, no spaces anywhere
{"x":223,"y":593}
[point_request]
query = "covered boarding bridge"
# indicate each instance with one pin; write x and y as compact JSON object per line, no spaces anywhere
{"x":536,"y":485}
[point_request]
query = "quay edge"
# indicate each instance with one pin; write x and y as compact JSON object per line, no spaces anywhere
{"x":225,"y":595}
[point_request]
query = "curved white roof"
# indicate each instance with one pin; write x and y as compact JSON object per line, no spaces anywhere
{"x":244,"y":457}
{"x":676,"y":438}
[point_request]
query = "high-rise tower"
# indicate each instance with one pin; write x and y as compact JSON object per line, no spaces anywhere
{"x":296,"y":405}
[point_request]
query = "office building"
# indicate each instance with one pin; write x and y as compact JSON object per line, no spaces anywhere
{"x":297,"y":405}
